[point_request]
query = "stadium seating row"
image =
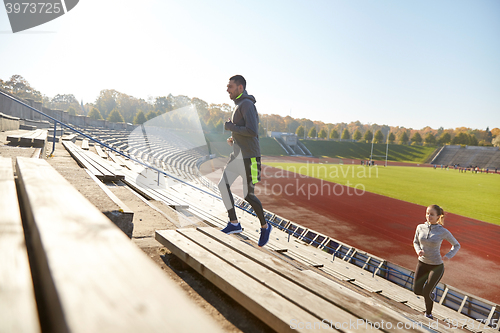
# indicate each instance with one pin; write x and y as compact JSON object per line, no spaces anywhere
{"x":67,"y":268}
{"x":482,"y":157}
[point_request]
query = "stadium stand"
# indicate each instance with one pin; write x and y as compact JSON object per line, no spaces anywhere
{"x":482,"y":157}
{"x":303,"y":274}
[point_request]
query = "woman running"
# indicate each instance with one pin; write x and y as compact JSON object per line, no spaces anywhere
{"x":430,"y":267}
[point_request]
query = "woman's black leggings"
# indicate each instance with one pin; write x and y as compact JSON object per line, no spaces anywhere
{"x":430,"y":274}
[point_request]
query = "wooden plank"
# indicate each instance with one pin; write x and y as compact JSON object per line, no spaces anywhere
{"x":37,"y":153}
{"x":267,"y":305}
{"x":69,"y":137}
{"x":93,"y":278}
{"x":14,"y":137}
{"x":41,"y":138}
{"x":315,"y":305}
{"x":17,"y":298}
{"x":91,"y":161}
{"x":340,"y":296}
{"x":109,"y":172}
{"x":85,"y":144}
{"x":28,"y":137}
{"x":119,"y":160}
{"x":81,"y":160}
{"x":100,"y":152}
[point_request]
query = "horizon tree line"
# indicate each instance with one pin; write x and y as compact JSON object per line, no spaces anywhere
{"x":119,"y":107}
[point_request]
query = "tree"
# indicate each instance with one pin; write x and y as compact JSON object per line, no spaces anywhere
{"x":392,"y":137}
{"x":345,"y":134}
{"x":322,"y":134}
{"x":368,"y":136}
{"x":291,"y":124}
{"x":416,"y":138}
{"x":262,"y":131}
{"x":218,"y":126}
{"x":430,"y":139}
{"x":300,"y":131}
{"x":488,"y":135}
{"x":18,"y":86}
{"x":95,"y":114}
{"x":334,"y":134}
{"x":71,"y":111}
{"x":139,"y":119}
{"x":63,"y":102}
{"x":403,"y":139}
{"x":312,"y":132}
{"x":151,"y":114}
{"x":357,"y":135}
{"x":379,"y":137}
{"x":115,"y":116}
{"x":444,"y":138}
{"x":461,"y":139}
{"x":164,"y":104}
{"x":473,"y":140}
{"x":496,"y":141}
{"x":107,"y":101}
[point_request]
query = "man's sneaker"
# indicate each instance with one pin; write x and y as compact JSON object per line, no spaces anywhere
{"x":429,"y":316}
{"x":264,"y":235}
{"x":232,"y":229}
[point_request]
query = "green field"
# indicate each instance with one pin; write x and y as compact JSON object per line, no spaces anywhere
{"x":336,"y":149}
{"x":472,"y":195}
{"x":361,"y":150}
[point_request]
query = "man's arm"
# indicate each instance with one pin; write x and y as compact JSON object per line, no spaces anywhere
{"x":251,"y":127}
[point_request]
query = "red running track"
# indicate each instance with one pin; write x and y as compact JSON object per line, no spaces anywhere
{"x":385,"y":227}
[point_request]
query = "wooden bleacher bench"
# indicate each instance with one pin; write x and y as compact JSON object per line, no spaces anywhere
{"x":85,"y":144}
{"x":275,"y":292}
{"x":100,"y":152}
{"x":17,"y":297}
{"x":87,"y":275}
{"x":36,"y":138}
{"x":102,"y":170}
{"x":69,"y":137}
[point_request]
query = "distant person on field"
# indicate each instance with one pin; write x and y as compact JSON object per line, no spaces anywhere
{"x":244,"y":161}
{"x":427,"y":244}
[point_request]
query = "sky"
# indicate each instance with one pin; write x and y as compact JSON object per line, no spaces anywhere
{"x":398,"y":63}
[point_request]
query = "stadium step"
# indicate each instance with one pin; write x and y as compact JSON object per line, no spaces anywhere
{"x":280,"y":295}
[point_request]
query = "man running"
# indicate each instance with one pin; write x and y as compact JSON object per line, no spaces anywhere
{"x":244,"y":161}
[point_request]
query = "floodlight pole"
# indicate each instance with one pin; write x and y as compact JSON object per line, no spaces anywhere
{"x":371,"y":154}
{"x":387,"y":146}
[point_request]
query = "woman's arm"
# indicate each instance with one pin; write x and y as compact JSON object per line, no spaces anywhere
{"x":416,"y":244}
{"x":455,"y":245}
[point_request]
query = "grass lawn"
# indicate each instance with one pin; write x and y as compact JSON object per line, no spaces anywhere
{"x":472,"y":195}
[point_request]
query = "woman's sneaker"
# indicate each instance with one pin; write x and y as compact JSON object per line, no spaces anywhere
{"x":232,"y":229}
{"x":264,"y":235}
{"x":429,"y":316}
